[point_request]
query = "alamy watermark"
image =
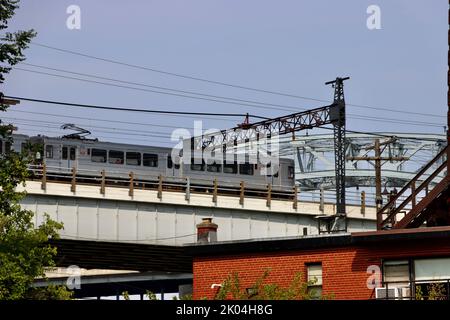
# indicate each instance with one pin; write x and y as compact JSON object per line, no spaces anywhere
{"x":215,"y":147}
{"x":73,"y":21}
{"x":373,"y":21}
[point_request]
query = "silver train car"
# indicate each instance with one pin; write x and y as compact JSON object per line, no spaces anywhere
{"x":146,"y":162}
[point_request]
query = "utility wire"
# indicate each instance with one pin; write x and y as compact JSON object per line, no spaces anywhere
{"x":90,"y":106}
{"x":166,"y":88}
{"x":152,"y":91}
{"x":286,"y":108}
{"x":223,"y":83}
{"x":100,"y":120}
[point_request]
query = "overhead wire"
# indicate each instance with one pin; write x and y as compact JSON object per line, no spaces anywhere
{"x":117,"y":62}
{"x":91,"y":106}
{"x":284,"y":108}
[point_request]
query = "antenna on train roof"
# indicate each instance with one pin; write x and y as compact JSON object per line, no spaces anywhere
{"x":80,"y":134}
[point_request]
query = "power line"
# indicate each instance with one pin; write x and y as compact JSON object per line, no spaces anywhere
{"x":224,"y":83}
{"x":287,"y":108}
{"x":168,"y":89}
{"x":152,"y":91}
{"x":102,"y":120}
{"x":78,"y":105}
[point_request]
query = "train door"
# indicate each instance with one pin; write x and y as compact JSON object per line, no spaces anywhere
{"x":68,"y":156}
{"x":173,"y":169}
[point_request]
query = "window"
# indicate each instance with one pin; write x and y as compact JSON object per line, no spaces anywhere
{"x":150,"y":160}
{"x":197,"y":165}
{"x":72,"y":153}
{"x":314,"y":278}
{"x":214,"y":167}
{"x":432,"y":269}
{"x":133,"y":158}
{"x":170,"y":163}
{"x":49,"y":152}
{"x":246,"y":168}
{"x":230,"y":167}
{"x":432,"y":276}
{"x":64,"y":153}
{"x":98,"y":155}
{"x":272,"y":171}
{"x":396,"y":272}
{"x":291,"y":172}
{"x":115,"y":157}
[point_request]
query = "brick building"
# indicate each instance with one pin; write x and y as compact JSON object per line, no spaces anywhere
{"x":342,"y":263}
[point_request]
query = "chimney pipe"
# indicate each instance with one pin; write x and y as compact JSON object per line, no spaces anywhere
{"x":206,"y":231}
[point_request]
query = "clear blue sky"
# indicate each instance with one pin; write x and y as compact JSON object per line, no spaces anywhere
{"x":286,"y":46}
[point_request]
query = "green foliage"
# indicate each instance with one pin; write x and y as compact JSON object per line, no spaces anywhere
{"x":126,"y":295}
{"x":150,"y":295}
{"x":25,"y":252}
{"x":433,"y":291}
{"x":261,"y":290}
{"x":436,"y":291}
{"x":12,"y":44}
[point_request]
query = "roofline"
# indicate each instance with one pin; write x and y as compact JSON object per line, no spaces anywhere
{"x":314,"y":242}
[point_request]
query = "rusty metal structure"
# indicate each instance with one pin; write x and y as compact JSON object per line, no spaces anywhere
{"x":420,"y":202}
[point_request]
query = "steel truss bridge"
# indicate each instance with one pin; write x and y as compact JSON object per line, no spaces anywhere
{"x":314,"y":158}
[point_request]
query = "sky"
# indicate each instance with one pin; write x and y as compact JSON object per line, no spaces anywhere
{"x":290,"y":47}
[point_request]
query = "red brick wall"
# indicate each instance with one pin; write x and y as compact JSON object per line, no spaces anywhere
{"x":344,"y":269}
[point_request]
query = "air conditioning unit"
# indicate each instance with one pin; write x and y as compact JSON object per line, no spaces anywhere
{"x":387,"y":293}
{"x":405,"y":293}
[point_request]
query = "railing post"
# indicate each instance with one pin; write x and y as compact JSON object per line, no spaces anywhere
{"x":188,"y":189}
{"x":322,"y":200}
{"x":44,"y":177}
{"x":269,"y":195}
{"x":241,"y":193}
{"x":413,"y":193}
{"x":160,"y":186}
{"x":215,"y":190}
{"x":363,"y":202}
{"x":103,"y":182}
{"x":73,"y":186}
{"x":295,"y":202}
{"x":131,"y":187}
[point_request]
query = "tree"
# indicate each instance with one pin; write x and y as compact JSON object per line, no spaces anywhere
{"x":261,"y":290}
{"x":25,"y":252}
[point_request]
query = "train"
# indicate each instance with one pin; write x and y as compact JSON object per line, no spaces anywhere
{"x":91,"y":156}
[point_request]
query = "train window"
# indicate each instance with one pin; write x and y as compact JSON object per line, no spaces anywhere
{"x":64,"y":153}
{"x":270,"y":170}
{"x":133,"y":158}
{"x":246,"y":168}
{"x":115,"y":157}
{"x":195,"y":166}
{"x":49,"y":152}
{"x":291,"y":172}
{"x":72,"y":153}
{"x":170,"y":163}
{"x":214,"y":167}
{"x":98,"y":155}
{"x":150,"y":160}
{"x":230,"y":167}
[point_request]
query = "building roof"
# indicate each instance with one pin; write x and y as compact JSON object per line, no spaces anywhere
{"x":314,"y":242}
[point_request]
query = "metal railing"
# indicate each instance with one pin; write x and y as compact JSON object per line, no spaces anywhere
{"x":409,"y":201}
{"x":160,"y":183}
{"x":415,"y":290}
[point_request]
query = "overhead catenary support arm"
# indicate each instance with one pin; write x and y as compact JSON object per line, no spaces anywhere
{"x":332,"y":114}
